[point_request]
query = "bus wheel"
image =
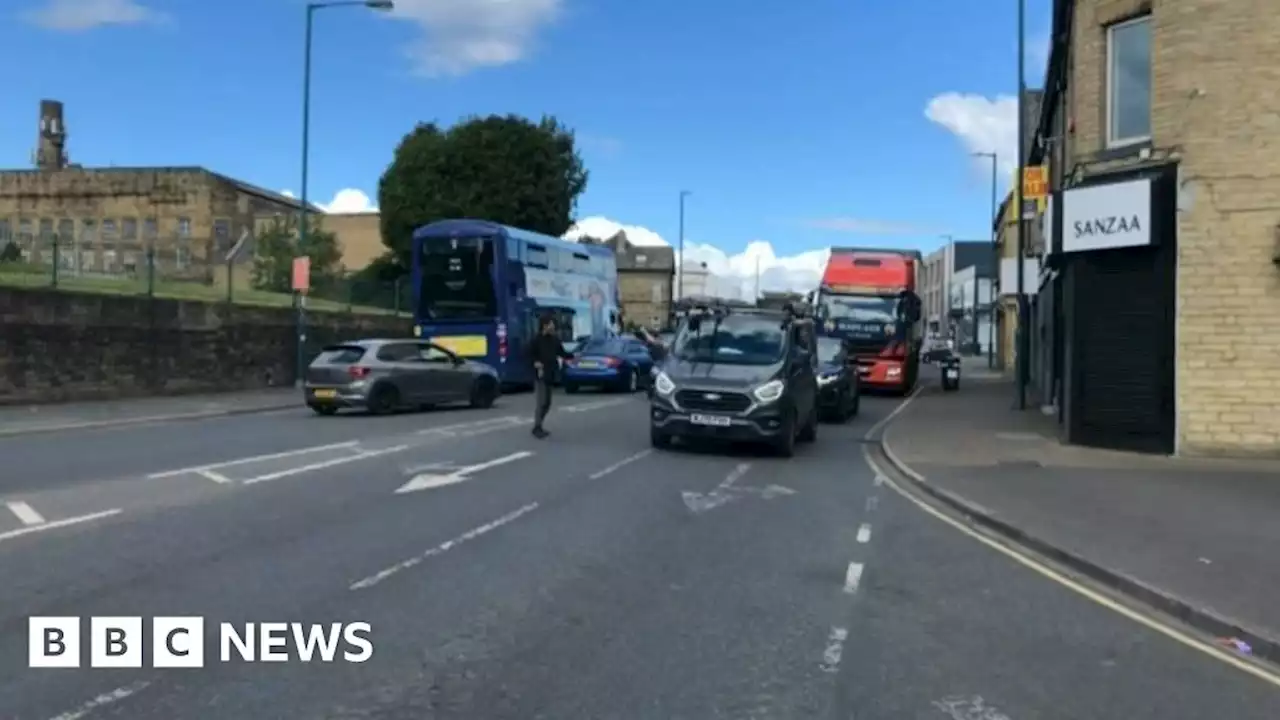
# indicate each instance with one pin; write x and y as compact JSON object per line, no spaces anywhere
{"x":483,"y":393}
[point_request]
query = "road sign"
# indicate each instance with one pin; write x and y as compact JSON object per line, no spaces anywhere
{"x":302,"y":273}
{"x":1035,"y":182}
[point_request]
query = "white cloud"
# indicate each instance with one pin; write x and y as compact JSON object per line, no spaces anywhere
{"x":345,"y":201}
{"x":733,"y":275}
{"x":982,"y":124}
{"x":602,"y":228}
{"x":463,"y":35}
{"x":81,"y":15}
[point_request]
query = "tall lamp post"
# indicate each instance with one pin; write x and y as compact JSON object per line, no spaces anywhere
{"x":303,"y":220}
{"x":1024,"y":349}
{"x":680,"y":263}
{"x":995,"y":254}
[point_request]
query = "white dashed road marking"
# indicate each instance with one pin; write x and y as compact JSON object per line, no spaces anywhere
{"x":835,"y":649}
{"x":852,"y":577}
{"x":25,"y":513}
{"x":864,"y":533}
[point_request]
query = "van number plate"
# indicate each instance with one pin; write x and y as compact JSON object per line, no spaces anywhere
{"x":712,"y":420}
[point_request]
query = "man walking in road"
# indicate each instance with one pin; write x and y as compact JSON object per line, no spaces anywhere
{"x":547,"y":352}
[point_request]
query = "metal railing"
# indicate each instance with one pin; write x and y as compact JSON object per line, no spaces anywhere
{"x":182,"y":271}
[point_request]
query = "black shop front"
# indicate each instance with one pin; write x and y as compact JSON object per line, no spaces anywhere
{"x":1114,"y":284}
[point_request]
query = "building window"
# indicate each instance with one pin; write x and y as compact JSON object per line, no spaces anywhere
{"x":1129,"y":82}
{"x":222,"y":234}
{"x":129,"y":230}
{"x":110,"y":233}
{"x":66,"y":232}
{"x":88,"y":233}
{"x":150,"y":230}
{"x":184,"y":227}
{"x":26,"y":233}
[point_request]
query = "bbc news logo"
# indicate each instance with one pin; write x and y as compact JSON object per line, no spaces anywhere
{"x":178,"y":642}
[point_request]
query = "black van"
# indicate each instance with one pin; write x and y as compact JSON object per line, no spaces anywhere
{"x":738,"y":374}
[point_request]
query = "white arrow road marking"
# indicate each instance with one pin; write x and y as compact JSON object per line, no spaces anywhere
{"x":728,"y":491}
{"x":428,"y":480}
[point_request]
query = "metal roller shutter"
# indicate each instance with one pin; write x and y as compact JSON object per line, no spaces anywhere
{"x":1124,"y":350}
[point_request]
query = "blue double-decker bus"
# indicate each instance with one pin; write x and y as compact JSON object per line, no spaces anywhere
{"x":479,"y":287}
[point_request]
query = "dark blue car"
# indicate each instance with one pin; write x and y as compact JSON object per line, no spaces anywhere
{"x":620,"y":364}
{"x":839,"y":392}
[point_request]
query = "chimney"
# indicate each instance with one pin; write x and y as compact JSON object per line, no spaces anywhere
{"x":52,"y":143}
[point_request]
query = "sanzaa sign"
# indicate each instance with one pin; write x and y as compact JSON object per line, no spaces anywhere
{"x":1104,"y":217}
{"x":1110,"y":225}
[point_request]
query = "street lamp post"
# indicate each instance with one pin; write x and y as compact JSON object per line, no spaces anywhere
{"x":303,"y":219}
{"x":1024,"y":349}
{"x":995,"y":253}
{"x":680,"y":265}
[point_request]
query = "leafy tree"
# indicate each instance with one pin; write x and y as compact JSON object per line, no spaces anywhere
{"x":506,"y":169}
{"x":10,"y":253}
{"x":277,"y":245}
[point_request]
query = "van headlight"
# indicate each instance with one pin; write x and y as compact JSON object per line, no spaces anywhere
{"x":824,"y":380}
{"x":769,"y":392}
{"x":663,"y":385}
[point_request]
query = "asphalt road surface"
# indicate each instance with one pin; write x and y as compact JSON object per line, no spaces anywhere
{"x":583,"y":576}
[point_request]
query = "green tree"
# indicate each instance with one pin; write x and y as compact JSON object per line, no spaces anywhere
{"x":276,"y":246}
{"x":10,"y":253}
{"x":506,"y":169}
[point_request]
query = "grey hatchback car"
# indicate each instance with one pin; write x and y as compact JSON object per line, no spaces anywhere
{"x":383,"y":376}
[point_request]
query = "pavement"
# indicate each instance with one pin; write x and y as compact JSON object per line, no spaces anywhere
{"x":1190,"y":536}
{"x":583,"y":576}
{"x":32,"y":419}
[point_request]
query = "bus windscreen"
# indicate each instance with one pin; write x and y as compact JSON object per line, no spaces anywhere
{"x":457,"y":279}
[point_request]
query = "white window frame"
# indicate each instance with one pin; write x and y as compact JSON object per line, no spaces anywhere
{"x":1112,"y":140}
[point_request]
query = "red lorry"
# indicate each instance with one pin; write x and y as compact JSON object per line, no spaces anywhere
{"x":868,"y":299}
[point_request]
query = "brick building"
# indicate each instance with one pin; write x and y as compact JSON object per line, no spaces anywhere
{"x":110,"y":221}
{"x":1159,"y":128}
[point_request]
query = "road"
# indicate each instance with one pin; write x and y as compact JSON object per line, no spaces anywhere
{"x":584,"y":576}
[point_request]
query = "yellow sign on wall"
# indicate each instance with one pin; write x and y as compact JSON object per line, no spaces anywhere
{"x":1035,"y":182}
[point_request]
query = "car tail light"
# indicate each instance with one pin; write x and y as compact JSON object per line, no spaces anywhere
{"x":612,"y":361}
{"x":356,"y":372}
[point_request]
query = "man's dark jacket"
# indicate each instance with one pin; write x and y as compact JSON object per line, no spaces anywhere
{"x":547,"y":349}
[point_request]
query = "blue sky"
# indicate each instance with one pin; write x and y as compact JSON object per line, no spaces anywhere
{"x":798,"y":124}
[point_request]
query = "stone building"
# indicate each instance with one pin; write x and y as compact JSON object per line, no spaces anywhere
{"x":1159,"y":129}
{"x":359,"y":237}
{"x":645,"y":275}
{"x":114,"y":220}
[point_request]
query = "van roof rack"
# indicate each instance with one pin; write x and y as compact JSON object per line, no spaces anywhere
{"x":714,"y":307}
